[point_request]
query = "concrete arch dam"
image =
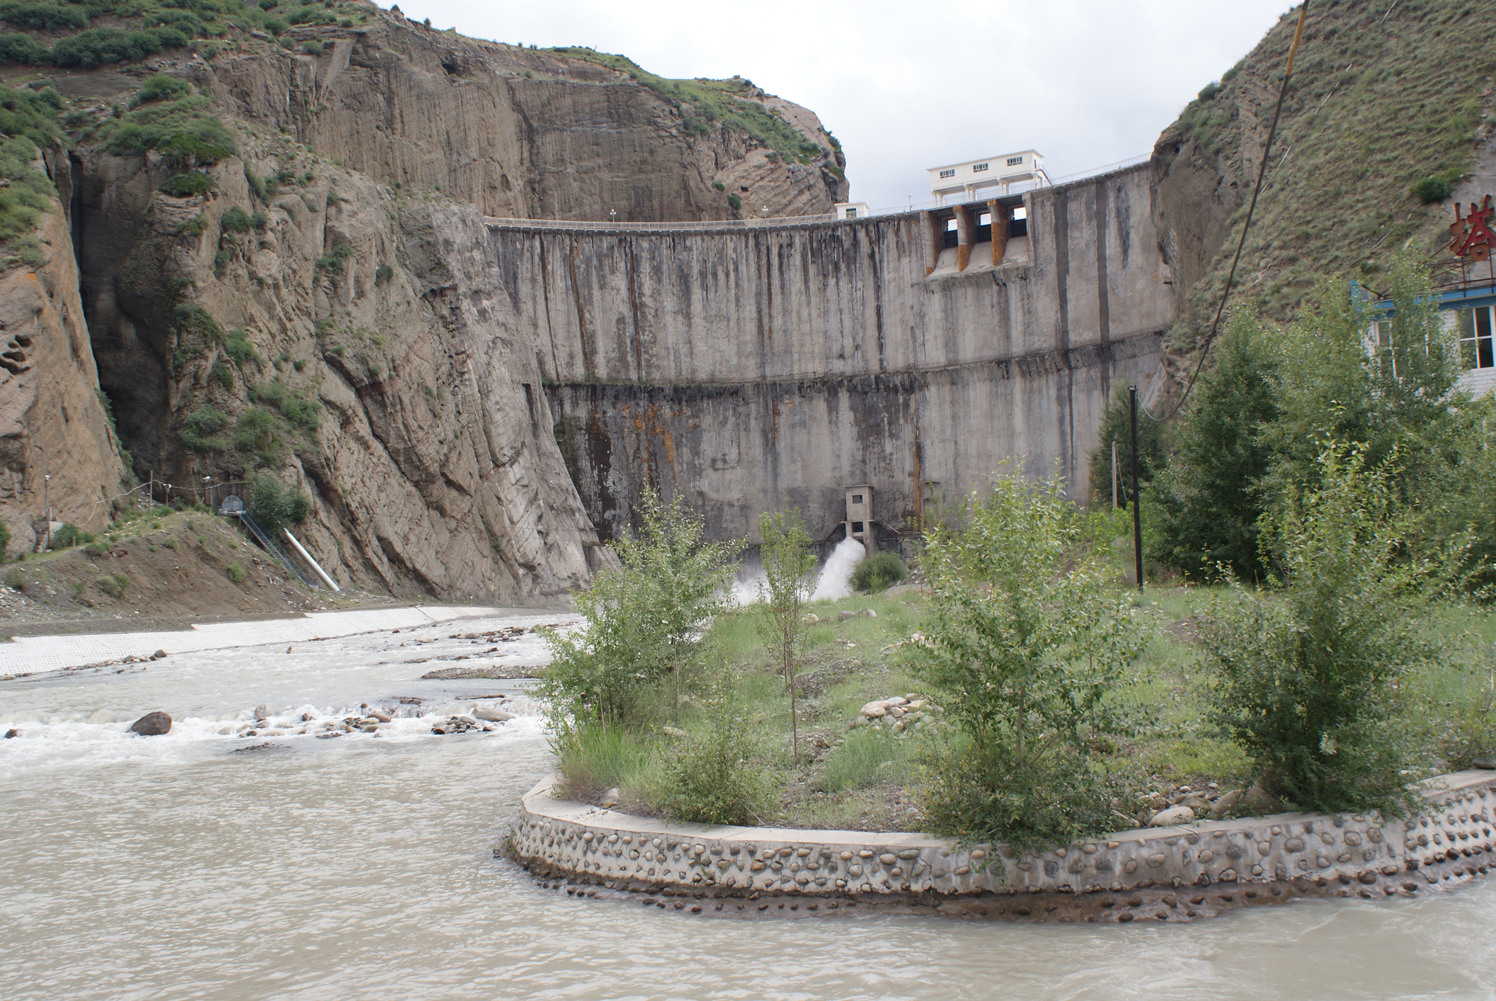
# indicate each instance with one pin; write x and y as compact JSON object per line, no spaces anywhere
{"x":755,"y":367}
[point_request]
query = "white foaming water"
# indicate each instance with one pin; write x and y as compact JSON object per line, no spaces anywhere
{"x":836,"y":577}
{"x":134,"y":868}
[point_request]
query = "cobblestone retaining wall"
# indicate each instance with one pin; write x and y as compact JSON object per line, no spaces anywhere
{"x":627,"y":852}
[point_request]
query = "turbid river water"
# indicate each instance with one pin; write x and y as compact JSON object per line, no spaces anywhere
{"x":362,"y":867}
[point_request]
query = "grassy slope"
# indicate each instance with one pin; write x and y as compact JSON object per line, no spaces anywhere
{"x":149,"y":567}
{"x":1374,"y":106}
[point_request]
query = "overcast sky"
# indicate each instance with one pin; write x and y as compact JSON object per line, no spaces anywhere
{"x":907,"y":86}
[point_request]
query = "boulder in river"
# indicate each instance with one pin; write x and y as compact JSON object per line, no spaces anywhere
{"x":151,"y":724}
{"x":493,"y":715}
{"x":12,"y":733}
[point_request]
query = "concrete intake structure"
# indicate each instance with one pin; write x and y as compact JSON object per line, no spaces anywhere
{"x":757,"y":368}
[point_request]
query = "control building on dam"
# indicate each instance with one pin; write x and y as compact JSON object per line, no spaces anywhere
{"x":752,"y":367}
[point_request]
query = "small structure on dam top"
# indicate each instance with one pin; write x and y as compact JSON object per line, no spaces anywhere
{"x":1001,"y":172}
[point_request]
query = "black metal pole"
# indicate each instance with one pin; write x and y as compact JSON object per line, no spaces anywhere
{"x":1137,"y":508}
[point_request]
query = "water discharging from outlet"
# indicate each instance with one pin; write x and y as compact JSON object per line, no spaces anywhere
{"x":836,"y":577}
{"x":362,"y":868}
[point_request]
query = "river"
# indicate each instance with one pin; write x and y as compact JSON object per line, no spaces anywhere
{"x":362,"y":867}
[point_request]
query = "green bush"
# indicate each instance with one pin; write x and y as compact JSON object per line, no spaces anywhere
{"x":640,"y":621}
{"x":235,"y":220}
{"x":15,"y":580}
{"x":101,"y":46}
{"x":1311,"y":677}
{"x":160,"y":87}
{"x":719,"y":185}
{"x":70,"y":535}
{"x":23,"y":49}
{"x":1025,"y":647}
{"x":187,"y":185}
{"x":276,"y":505}
{"x":200,"y":430}
{"x":259,"y":431}
{"x":4,"y":539}
{"x":383,"y":274}
{"x":879,"y":572}
{"x":222,"y":375}
{"x":333,"y":263}
{"x":235,"y":573}
{"x":25,"y":198}
{"x":113,"y":585}
{"x":236,"y":345}
{"x":182,"y":131}
{"x":276,"y":26}
{"x":311,"y":47}
{"x":43,"y":16}
{"x":735,"y":202}
{"x":709,"y":777}
{"x":1432,"y":189}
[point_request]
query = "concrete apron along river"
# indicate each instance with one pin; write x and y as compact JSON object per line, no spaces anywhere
{"x":190,"y":865}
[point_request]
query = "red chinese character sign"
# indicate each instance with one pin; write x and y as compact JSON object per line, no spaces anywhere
{"x":1472,"y":234}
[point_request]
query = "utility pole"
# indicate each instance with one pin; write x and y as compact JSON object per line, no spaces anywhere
{"x":1137,"y":507}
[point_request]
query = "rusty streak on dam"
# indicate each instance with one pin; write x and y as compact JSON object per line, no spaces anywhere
{"x":760,"y":367}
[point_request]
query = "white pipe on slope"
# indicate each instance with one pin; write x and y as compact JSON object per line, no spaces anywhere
{"x":308,"y":556}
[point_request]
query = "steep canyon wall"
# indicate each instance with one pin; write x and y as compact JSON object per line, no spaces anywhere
{"x":758,"y":368}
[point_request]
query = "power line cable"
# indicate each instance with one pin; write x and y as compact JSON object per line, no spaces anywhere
{"x":1247,"y":225}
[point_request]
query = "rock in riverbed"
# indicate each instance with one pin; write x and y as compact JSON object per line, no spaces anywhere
{"x":152,"y":724}
{"x":493,"y":715}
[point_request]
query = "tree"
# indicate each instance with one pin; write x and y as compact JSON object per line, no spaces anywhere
{"x":1116,"y":426}
{"x":640,"y":620}
{"x":1203,"y":509}
{"x":784,"y":589}
{"x":1310,"y":673}
{"x":1025,"y":645}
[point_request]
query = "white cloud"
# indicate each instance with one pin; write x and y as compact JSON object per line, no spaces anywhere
{"x":907,"y":86}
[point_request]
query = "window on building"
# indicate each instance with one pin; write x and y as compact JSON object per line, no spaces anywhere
{"x":948,"y":173}
{"x":851,"y":213}
{"x":1014,"y":161}
{"x":857,"y":498}
{"x":1475,"y":338}
{"x":977,"y":168}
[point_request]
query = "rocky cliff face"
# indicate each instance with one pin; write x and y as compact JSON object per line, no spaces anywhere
{"x":326,"y":313}
{"x":517,"y":132}
{"x":55,"y":441}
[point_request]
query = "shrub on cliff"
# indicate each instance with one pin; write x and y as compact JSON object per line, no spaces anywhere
{"x":18,"y":48}
{"x":277,"y":506}
{"x":180,"y":130}
{"x":640,"y":621}
{"x":43,"y":16}
{"x":1025,"y":646}
{"x":1311,"y":676}
{"x":160,"y":87}
{"x":101,"y":46}
{"x":28,"y":119}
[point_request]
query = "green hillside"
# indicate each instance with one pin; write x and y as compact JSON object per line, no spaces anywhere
{"x":1387,"y":109}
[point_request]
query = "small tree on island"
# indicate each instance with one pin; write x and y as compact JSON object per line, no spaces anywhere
{"x":1025,"y":647}
{"x":640,"y":621}
{"x":785,"y":588}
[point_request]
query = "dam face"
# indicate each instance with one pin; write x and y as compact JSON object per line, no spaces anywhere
{"x":760,"y":367}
